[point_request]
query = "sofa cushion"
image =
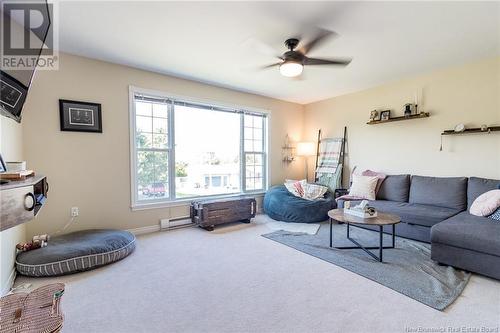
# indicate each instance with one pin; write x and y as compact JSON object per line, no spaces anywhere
{"x":423,"y":215}
{"x":477,"y":186}
{"x":395,"y":188}
{"x":468,"y":232}
{"x":450,"y":192}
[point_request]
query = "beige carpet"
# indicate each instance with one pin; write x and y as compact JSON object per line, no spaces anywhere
{"x":273,"y":225}
{"x":234,"y":280}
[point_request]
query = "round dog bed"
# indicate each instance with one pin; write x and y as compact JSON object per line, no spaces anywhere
{"x":76,"y":252}
{"x":281,"y":205}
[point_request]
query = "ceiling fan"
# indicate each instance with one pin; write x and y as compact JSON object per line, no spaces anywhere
{"x":293,"y":61}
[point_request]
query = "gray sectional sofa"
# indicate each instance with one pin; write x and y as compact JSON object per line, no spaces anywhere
{"x":435,"y":210}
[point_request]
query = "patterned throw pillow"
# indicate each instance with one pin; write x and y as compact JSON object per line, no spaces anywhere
{"x":495,"y":215}
{"x":304,"y":190}
{"x":295,"y":186}
{"x":314,"y":191}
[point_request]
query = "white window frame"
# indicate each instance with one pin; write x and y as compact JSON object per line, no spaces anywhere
{"x":172,"y":201}
{"x":264,"y":154}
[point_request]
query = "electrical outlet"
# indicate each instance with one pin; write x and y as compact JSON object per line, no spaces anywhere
{"x":74,"y":211}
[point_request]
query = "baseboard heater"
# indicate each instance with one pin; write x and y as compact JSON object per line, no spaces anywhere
{"x":175,"y":223}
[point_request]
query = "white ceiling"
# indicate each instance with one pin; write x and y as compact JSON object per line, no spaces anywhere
{"x":212,"y":41}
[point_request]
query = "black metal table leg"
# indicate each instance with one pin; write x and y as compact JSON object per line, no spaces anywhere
{"x":393,"y":235}
{"x":331,"y":223}
{"x":381,"y":244}
{"x":380,"y":247}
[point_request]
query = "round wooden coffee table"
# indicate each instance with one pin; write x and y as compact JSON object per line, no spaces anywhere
{"x":381,"y":220}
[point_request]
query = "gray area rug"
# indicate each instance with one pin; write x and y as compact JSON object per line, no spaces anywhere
{"x":407,"y":269}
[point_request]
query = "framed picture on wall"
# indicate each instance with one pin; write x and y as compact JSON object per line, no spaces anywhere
{"x":385,"y":115}
{"x":374,"y":115}
{"x":80,"y":116}
{"x":3,"y":167}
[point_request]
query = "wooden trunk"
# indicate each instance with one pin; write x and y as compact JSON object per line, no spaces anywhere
{"x":210,"y":213}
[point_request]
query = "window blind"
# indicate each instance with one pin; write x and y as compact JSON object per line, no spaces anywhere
{"x":163,"y":100}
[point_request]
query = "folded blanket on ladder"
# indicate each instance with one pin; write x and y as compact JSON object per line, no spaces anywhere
{"x":329,"y":155}
{"x":329,"y":168}
{"x":331,"y":180}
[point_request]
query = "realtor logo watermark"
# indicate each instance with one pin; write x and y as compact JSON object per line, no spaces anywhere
{"x":29,"y":35}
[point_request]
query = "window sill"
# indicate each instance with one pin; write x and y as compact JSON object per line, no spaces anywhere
{"x":184,"y":202}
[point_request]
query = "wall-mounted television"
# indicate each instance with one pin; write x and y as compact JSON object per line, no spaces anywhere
{"x":24,"y":31}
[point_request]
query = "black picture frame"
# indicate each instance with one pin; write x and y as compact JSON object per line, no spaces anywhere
{"x":12,"y":96}
{"x":3,"y":167}
{"x":77,"y":116}
{"x":385,"y":115}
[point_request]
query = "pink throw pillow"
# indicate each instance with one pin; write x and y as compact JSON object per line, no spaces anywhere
{"x":379,"y":175}
{"x":486,"y":203}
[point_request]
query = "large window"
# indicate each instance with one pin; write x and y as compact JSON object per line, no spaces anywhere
{"x":183,"y":150}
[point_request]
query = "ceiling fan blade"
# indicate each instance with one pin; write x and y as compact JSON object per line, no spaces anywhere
{"x":320,"y":37}
{"x":255,"y":44}
{"x":270,"y":66}
{"x":316,"y":61}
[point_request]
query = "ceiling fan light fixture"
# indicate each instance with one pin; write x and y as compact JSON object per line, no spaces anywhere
{"x":291,"y":68}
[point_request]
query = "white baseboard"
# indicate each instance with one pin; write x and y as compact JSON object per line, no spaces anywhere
{"x":169,"y":224}
{"x":177,"y":223}
{"x":9,"y":283}
{"x":174,"y":224}
{"x":145,"y":230}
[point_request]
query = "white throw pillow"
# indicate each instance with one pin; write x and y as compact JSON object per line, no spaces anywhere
{"x":363,"y":187}
{"x":486,"y":204}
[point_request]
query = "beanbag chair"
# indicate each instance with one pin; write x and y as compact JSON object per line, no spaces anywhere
{"x":76,"y":252}
{"x":281,"y":205}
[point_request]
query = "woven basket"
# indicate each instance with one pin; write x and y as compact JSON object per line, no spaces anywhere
{"x":34,"y":312}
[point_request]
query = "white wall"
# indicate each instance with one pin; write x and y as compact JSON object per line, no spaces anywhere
{"x":467,"y":94}
{"x":11,"y":150}
{"x":91,"y":170}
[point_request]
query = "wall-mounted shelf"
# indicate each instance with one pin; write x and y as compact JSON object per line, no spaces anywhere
{"x":413,"y":116}
{"x":475,"y":130}
{"x":287,"y":151}
{"x":21,"y":200}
